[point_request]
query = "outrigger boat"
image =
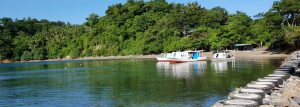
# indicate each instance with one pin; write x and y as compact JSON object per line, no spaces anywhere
{"x":185,"y":56}
{"x":222,"y":55}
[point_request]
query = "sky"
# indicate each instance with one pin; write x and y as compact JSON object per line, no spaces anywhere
{"x":76,"y":11}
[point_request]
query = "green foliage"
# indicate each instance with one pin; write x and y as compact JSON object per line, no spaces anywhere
{"x":151,"y":27}
{"x":259,"y":33}
{"x":26,"y":56}
{"x":290,"y":10}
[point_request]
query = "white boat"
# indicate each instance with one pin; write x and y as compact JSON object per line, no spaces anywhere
{"x":222,"y":55}
{"x":164,"y":57}
{"x":185,"y":56}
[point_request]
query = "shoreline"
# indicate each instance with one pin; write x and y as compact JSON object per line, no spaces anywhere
{"x":97,"y":58}
{"x":237,"y":54}
{"x":253,"y":54}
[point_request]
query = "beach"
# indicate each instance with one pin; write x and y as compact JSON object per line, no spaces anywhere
{"x":253,"y":54}
{"x":236,"y":54}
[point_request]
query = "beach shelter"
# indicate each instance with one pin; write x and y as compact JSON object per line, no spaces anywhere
{"x":243,"y":47}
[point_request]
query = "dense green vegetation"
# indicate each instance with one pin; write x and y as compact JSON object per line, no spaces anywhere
{"x":138,"y":27}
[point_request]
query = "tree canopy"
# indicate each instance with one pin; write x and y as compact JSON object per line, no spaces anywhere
{"x":152,"y":27}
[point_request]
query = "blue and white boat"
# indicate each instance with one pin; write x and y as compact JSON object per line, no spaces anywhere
{"x":185,"y":56}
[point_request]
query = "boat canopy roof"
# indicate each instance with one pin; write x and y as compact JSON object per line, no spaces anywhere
{"x":220,"y":51}
{"x":195,"y":51}
{"x":236,"y":45}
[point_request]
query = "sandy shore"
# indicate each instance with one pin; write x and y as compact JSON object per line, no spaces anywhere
{"x":253,"y":54}
{"x":236,"y":54}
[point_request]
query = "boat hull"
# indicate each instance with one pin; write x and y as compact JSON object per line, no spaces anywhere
{"x":174,"y":60}
{"x":163,"y":59}
{"x":186,"y":56}
{"x":223,"y":59}
{"x":186,"y":60}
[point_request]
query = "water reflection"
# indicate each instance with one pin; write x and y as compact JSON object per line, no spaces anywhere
{"x":182,"y":70}
{"x":130,"y":83}
{"x":222,"y":66}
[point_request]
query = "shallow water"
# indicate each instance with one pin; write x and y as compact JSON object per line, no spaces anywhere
{"x":126,"y":82}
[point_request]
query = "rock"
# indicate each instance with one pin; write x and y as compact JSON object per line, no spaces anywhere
{"x":287,"y":67}
{"x":280,"y":80}
{"x":287,"y":70}
{"x":297,"y":100}
{"x":266,"y":106}
{"x":287,"y":75}
{"x":265,"y":83}
{"x":266,"y":101}
{"x":253,"y":91}
{"x":266,"y":88}
{"x":276,"y":82}
{"x":241,"y":102}
{"x":219,"y":104}
{"x":279,"y":75}
{"x":248,"y":96}
{"x":232,"y":106}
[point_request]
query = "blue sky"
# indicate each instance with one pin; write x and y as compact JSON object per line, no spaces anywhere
{"x":75,"y":11}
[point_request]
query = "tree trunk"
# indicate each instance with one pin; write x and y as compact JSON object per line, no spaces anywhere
{"x":289,"y":25}
{"x":293,"y":15}
{"x":297,"y":43}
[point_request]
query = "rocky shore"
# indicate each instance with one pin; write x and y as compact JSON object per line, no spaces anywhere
{"x":279,"y":89}
{"x":288,"y":95}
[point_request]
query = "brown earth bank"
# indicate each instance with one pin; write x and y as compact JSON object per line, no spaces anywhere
{"x":6,"y":61}
{"x":94,"y":58}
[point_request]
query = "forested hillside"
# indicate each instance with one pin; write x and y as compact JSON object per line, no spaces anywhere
{"x":138,"y":27}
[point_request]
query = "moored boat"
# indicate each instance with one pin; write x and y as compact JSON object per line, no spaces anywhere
{"x":185,"y":56}
{"x":164,"y":57}
{"x":222,"y":55}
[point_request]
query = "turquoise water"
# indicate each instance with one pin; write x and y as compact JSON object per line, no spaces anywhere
{"x":110,"y":83}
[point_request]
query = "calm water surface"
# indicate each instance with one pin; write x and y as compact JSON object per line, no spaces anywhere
{"x":126,"y":82}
